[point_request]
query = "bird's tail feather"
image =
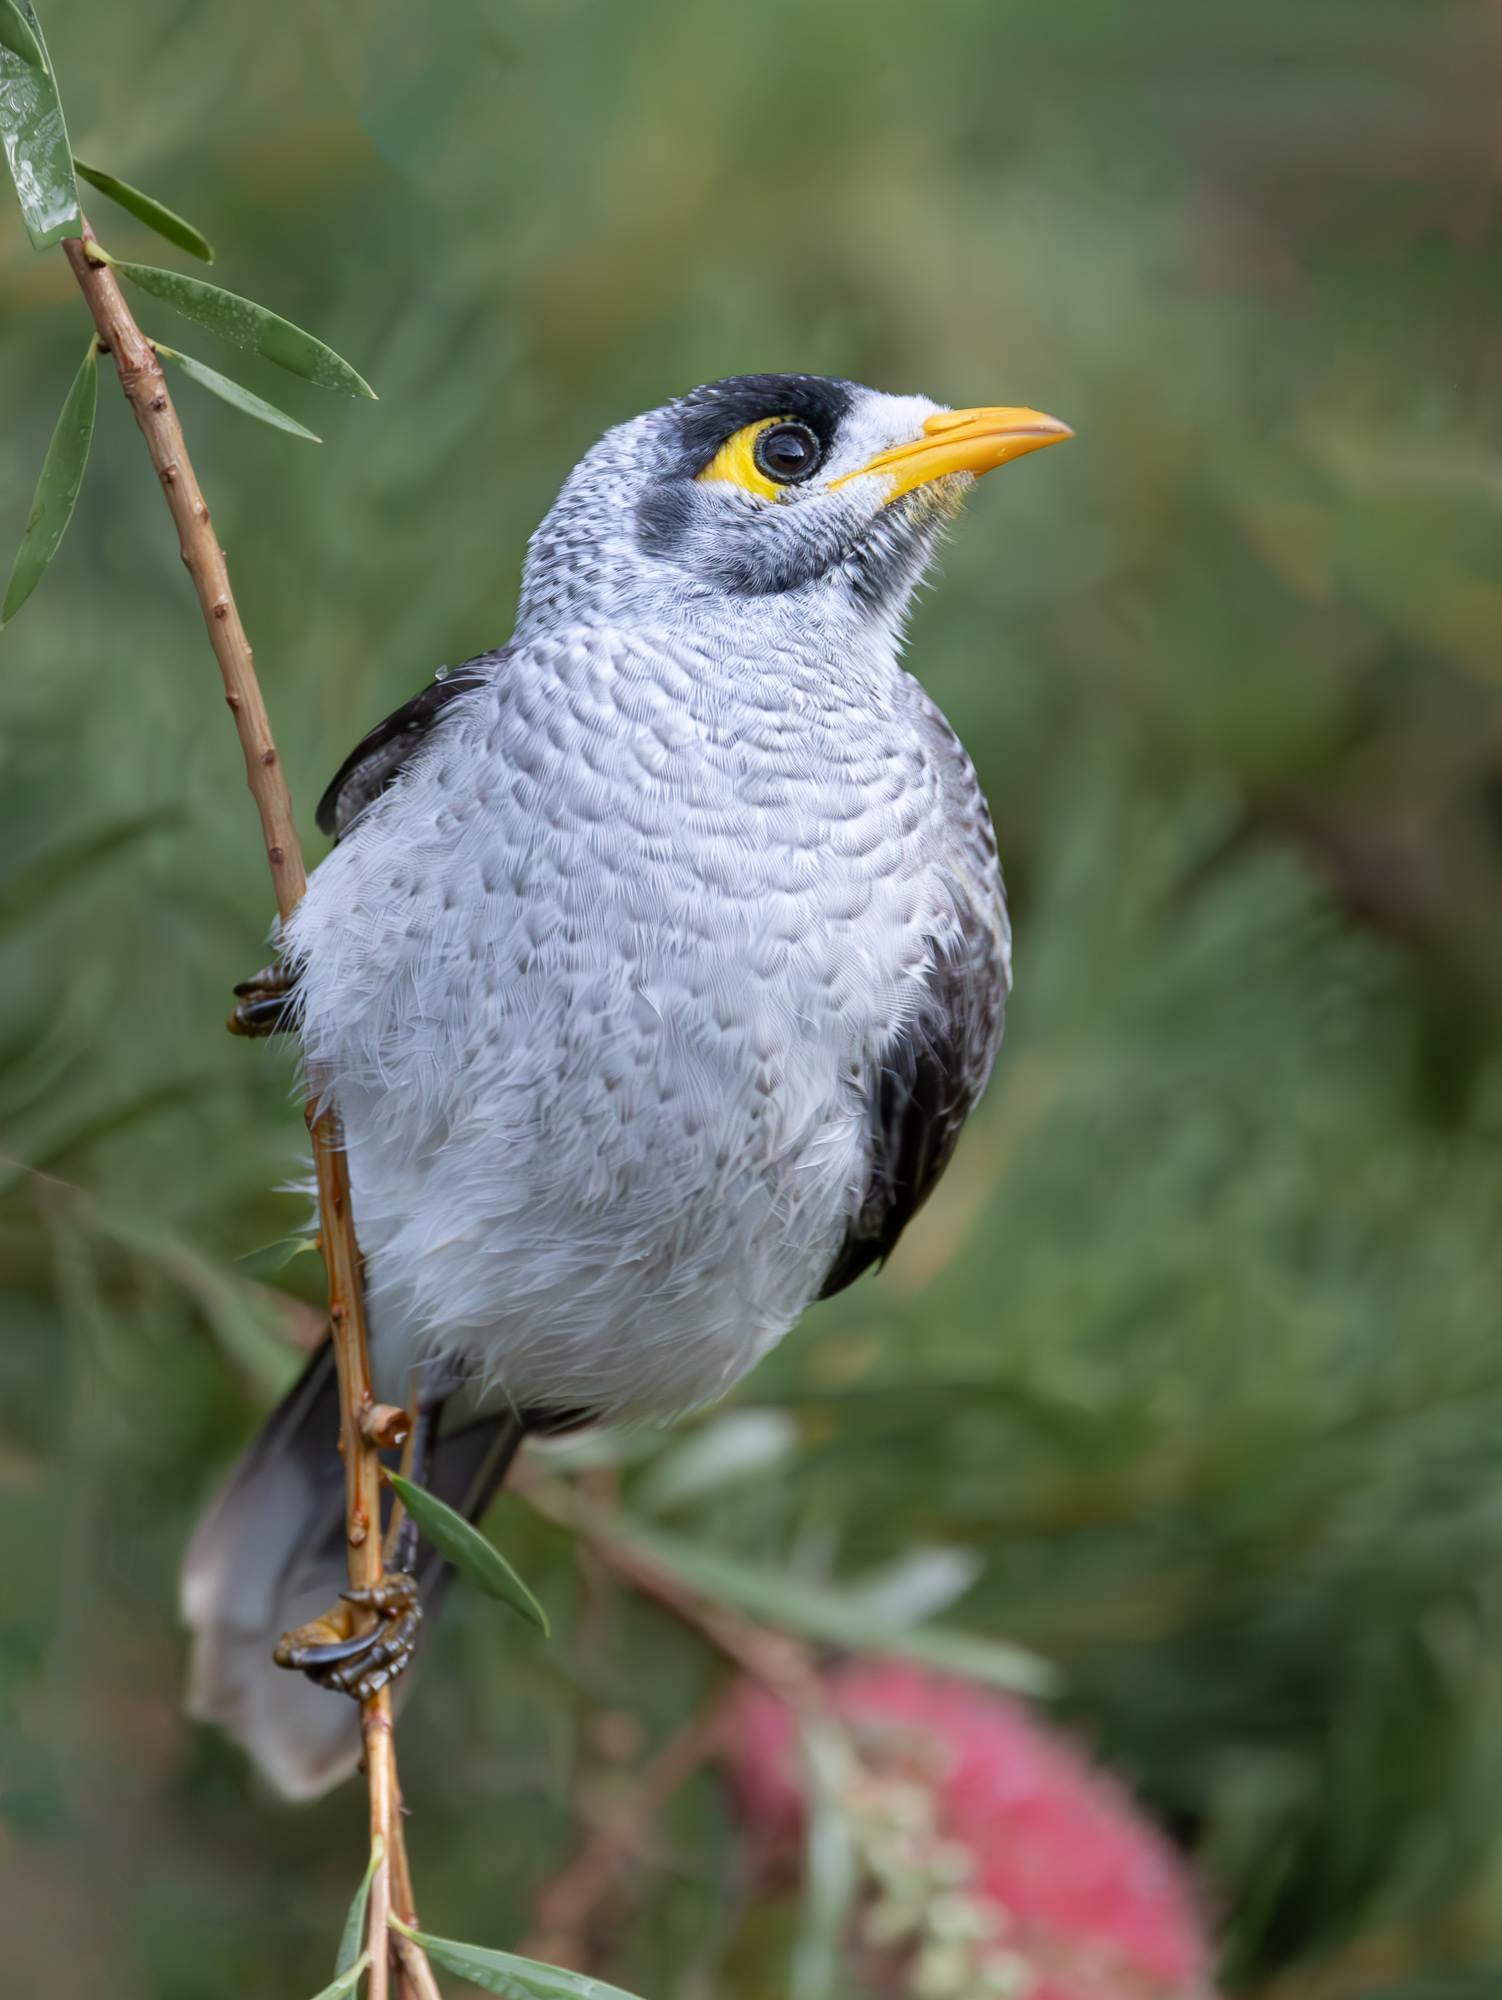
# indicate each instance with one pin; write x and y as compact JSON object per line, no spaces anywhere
{"x":269,"y":1554}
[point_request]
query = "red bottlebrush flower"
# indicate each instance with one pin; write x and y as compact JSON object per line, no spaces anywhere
{"x":1043,"y":1862}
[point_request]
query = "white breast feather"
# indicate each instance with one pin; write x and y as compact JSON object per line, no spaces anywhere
{"x":596,"y":984}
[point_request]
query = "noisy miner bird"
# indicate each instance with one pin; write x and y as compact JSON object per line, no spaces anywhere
{"x":661,"y":956}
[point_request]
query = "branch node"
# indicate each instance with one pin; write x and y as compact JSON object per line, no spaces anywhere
{"x":234,"y":701}
{"x":385,"y":1425}
{"x":221,"y":607}
{"x":268,"y":755}
{"x":276,"y":857}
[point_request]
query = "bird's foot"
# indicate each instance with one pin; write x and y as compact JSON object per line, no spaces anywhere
{"x":268,"y":1003}
{"x":334,"y":1656}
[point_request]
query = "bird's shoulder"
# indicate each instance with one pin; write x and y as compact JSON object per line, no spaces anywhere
{"x":384,"y":752}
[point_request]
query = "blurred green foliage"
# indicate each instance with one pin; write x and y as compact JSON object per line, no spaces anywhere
{"x":1198,"y":1343}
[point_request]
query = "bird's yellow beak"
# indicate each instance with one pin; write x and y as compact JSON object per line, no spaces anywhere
{"x":962,"y":441}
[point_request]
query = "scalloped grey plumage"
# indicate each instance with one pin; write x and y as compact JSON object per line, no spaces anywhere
{"x":664,"y":951}
{"x":662,"y":954}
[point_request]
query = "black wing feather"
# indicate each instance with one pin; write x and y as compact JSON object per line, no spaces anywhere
{"x":379,"y":757}
{"x":921,"y":1092}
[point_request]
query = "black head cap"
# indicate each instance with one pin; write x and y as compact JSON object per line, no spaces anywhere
{"x":706,"y":417}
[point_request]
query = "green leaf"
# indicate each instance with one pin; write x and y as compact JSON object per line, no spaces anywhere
{"x":974,"y":1657}
{"x":273,"y":1258}
{"x":345,"y":1984}
{"x":16,"y":35}
{"x":840,"y":1615}
{"x":246,"y":324}
{"x":354,"y":1923}
{"x":739,"y":1445}
{"x":144,"y":209}
{"x":57,"y":489}
{"x":468,"y":1550}
{"x":232,"y":393}
{"x":36,"y":140}
{"x":503,"y":1972}
{"x":922,"y":1582}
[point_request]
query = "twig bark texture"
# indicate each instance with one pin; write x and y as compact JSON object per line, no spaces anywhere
{"x":145,"y":389}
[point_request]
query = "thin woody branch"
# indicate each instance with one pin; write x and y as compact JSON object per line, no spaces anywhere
{"x":145,"y":387}
{"x":565,"y":1907}
{"x":780,"y":1663}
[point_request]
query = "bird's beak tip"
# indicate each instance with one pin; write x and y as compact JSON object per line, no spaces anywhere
{"x":993,"y":425}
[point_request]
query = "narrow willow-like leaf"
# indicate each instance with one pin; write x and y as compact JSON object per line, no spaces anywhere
{"x":973,"y":1656}
{"x":345,"y":1984}
{"x":740,"y":1445}
{"x":144,"y":209}
{"x":248,"y":325}
{"x":16,"y":35}
{"x":231,"y":393}
{"x":919,"y":1584}
{"x":273,"y":1258}
{"x":57,"y":489}
{"x":468,"y":1550}
{"x":36,"y":141}
{"x":839,"y":1614}
{"x":503,"y":1972}
{"x":354,"y":1923}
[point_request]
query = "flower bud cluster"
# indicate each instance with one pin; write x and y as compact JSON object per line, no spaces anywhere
{"x":995,"y":1861}
{"x":921,"y":1902}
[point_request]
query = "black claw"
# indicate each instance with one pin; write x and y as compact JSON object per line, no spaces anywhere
{"x":360,"y":1666}
{"x":268,"y":1003}
{"x":262,"y":1017}
{"x":314,"y":1659}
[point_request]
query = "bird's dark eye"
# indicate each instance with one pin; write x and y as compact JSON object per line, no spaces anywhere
{"x":787,"y":453}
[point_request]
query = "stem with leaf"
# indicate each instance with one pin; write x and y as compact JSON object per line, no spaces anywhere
{"x":45,"y":174}
{"x":145,"y":387}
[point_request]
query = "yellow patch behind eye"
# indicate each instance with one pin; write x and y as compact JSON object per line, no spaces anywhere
{"x":735,"y":461}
